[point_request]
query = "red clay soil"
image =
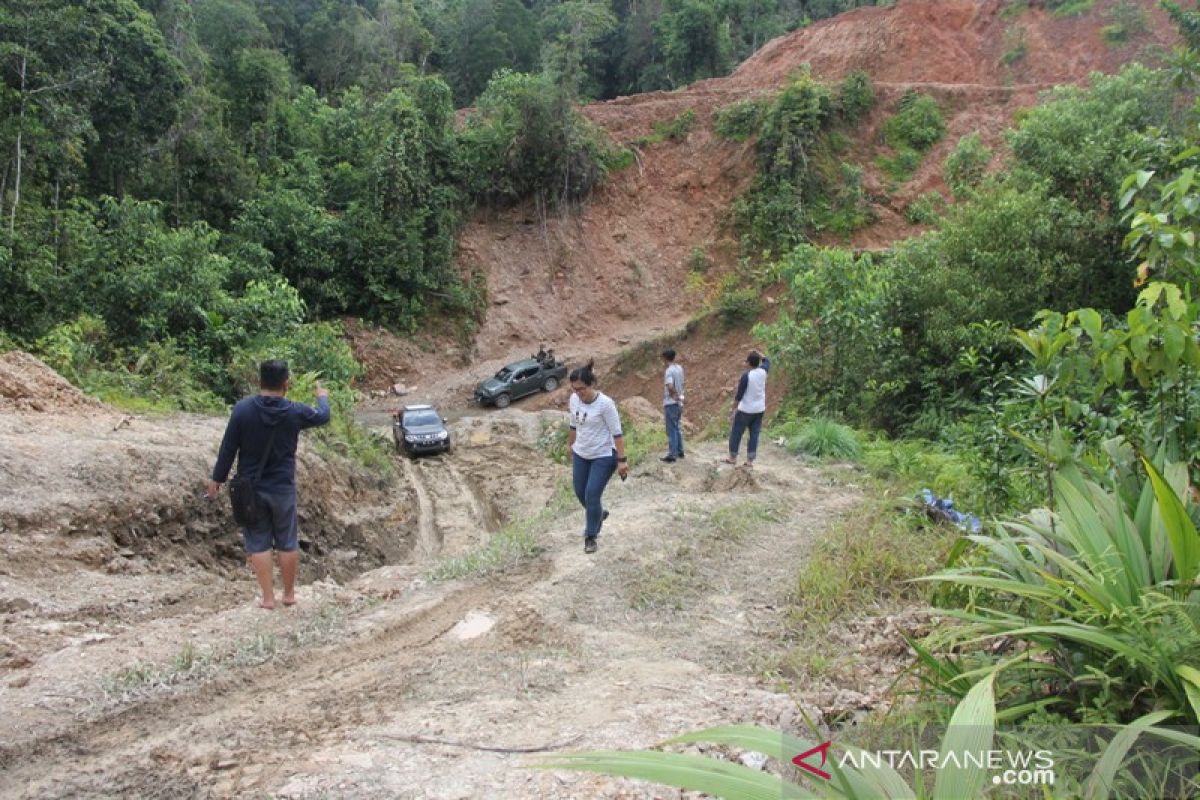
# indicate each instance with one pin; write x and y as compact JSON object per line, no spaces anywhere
{"x":593,"y":280}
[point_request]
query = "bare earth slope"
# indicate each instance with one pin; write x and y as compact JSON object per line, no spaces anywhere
{"x":617,"y":270}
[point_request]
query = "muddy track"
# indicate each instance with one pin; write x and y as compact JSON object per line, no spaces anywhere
{"x":454,"y":512}
{"x":295,"y":696}
{"x":429,"y":542}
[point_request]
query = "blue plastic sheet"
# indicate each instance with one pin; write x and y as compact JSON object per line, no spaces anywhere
{"x":943,"y":508}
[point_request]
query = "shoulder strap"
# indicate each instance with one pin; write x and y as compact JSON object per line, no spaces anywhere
{"x":262,"y":462}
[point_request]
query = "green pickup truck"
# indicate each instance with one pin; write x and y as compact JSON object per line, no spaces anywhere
{"x":519,"y":379}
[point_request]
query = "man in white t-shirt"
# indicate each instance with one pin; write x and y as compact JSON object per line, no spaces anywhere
{"x":672,"y":406}
{"x":751,"y":405}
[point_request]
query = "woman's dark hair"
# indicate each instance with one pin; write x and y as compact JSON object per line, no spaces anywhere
{"x":584,"y":374}
{"x":754,"y":359}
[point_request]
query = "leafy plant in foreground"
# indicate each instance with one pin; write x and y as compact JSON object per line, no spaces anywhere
{"x":1096,"y":605}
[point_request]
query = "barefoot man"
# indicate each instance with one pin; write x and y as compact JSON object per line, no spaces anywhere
{"x":246,"y":437}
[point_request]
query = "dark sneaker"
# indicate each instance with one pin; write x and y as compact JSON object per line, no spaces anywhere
{"x":667,"y":459}
{"x":681,"y":456}
{"x":589,"y":544}
{"x":603,"y":515}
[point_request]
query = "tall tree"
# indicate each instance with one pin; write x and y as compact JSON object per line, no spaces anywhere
{"x":138,"y":101}
{"x":52,"y":70}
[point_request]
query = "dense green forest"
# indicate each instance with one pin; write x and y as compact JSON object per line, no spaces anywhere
{"x":190,"y":182}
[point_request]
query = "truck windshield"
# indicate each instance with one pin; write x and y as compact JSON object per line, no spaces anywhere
{"x":414,"y":419}
{"x":504,"y":374}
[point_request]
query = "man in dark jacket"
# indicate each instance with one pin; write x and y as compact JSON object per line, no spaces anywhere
{"x":246,"y":437}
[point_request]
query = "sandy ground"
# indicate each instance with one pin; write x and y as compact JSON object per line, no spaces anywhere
{"x":393,"y":685}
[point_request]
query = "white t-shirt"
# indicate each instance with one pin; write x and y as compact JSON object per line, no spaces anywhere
{"x":595,"y":425}
{"x":673,"y":377}
{"x":754,"y":401}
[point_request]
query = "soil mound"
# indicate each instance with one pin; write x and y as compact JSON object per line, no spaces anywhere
{"x":27,"y":384}
{"x":956,"y":42}
{"x":738,"y":479}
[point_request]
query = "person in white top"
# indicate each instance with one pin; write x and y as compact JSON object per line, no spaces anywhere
{"x":751,"y":405}
{"x":672,"y":406}
{"x":597,"y":449}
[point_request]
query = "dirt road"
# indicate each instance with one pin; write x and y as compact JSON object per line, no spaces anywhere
{"x":396,"y":685}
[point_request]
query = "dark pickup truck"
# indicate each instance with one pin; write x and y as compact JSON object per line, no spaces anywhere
{"x":519,"y":379}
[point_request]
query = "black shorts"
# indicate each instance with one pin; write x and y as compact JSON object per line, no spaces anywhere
{"x":277,"y":528}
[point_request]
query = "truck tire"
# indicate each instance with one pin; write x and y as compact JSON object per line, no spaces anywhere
{"x":551,"y":384}
{"x":502,"y":400}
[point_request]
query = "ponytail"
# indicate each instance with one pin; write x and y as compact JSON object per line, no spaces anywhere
{"x":584,"y":374}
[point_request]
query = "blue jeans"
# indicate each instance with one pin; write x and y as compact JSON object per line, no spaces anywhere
{"x":671,"y":415}
{"x":742,"y":421}
{"x":589,"y":477}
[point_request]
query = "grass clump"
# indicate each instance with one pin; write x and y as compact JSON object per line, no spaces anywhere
{"x":192,"y":663}
{"x":687,"y":568}
{"x":826,"y":439}
{"x":901,"y":166}
{"x":676,"y":129}
{"x":869,"y":557}
{"x":1069,"y":8}
{"x":514,"y":544}
{"x":1128,"y":22}
{"x":655,"y":587}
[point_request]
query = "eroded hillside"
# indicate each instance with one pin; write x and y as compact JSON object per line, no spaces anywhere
{"x":616,"y":271}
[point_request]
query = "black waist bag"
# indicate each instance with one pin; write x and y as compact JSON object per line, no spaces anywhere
{"x":243,"y":490}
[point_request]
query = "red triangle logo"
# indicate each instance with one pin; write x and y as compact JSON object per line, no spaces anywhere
{"x":823,"y":749}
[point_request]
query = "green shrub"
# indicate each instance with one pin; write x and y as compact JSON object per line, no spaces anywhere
{"x":1098,"y":597}
{"x":917,"y":124}
{"x":738,"y":306}
{"x":901,"y":166}
{"x":843,"y":207}
{"x":1069,"y":8}
{"x":524,"y":139}
{"x":1128,"y":22}
{"x":826,"y":439}
{"x":1015,"y":47}
{"x":926,"y":209}
{"x":155,"y":377}
{"x":965,"y":165}
{"x":856,"y":96}
{"x":739,"y":121}
{"x":675,"y":129}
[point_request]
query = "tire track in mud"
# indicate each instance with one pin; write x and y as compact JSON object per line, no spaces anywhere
{"x":461,"y":520}
{"x":428,"y":539}
{"x":174,"y":745}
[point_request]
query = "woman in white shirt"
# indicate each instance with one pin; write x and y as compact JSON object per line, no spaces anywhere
{"x":751,"y":405}
{"x":597,"y":449}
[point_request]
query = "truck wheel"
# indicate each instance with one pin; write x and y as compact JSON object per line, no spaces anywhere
{"x":502,"y":400}
{"x":551,"y":384}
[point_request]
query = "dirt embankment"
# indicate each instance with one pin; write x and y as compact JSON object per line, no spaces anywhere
{"x":166,"y":682}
